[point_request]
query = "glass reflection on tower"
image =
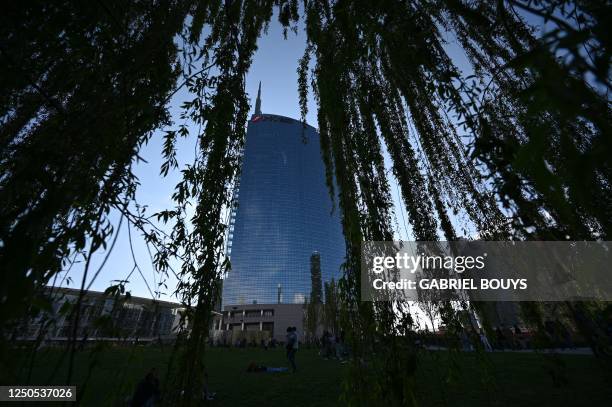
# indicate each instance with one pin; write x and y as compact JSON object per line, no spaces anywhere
{"x":283,"y":213}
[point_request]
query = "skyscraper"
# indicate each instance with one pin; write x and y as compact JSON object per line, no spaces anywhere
{"x":283,"y":214}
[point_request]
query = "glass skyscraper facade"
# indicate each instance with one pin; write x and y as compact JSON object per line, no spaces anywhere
{"x":283,"y":215}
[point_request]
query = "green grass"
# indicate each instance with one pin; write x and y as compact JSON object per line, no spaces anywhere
{"x":499,"y":379}
{"x":512,"y":379}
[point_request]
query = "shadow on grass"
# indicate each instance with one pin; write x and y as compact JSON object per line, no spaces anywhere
{"x":443,"y":379}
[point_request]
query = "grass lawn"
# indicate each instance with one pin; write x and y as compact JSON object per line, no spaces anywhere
{"x":498,"y":379}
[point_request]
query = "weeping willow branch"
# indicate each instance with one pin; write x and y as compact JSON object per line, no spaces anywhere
{"x":535,"y":164}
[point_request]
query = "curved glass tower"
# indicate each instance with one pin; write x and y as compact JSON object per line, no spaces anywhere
{"x":283,"y":215}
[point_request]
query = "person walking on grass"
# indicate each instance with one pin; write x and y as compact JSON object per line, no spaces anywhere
{"x":292,"y":346}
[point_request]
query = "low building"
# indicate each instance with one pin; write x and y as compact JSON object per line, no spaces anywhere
{"x":256,"y":322}
{"x":102,"y":317}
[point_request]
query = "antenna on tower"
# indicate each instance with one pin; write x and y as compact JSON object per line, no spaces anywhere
{"x":258,"y":101}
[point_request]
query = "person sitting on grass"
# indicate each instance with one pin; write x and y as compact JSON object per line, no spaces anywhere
{"x":147,"y":392}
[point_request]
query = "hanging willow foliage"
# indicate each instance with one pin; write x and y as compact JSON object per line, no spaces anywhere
{"x":234,"y":30}
{"x":517,"y":149}
{"x":82,"y":88}
{"x":389,"y":59}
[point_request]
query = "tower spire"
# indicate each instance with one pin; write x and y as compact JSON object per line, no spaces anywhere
{"x":258,"y":101}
